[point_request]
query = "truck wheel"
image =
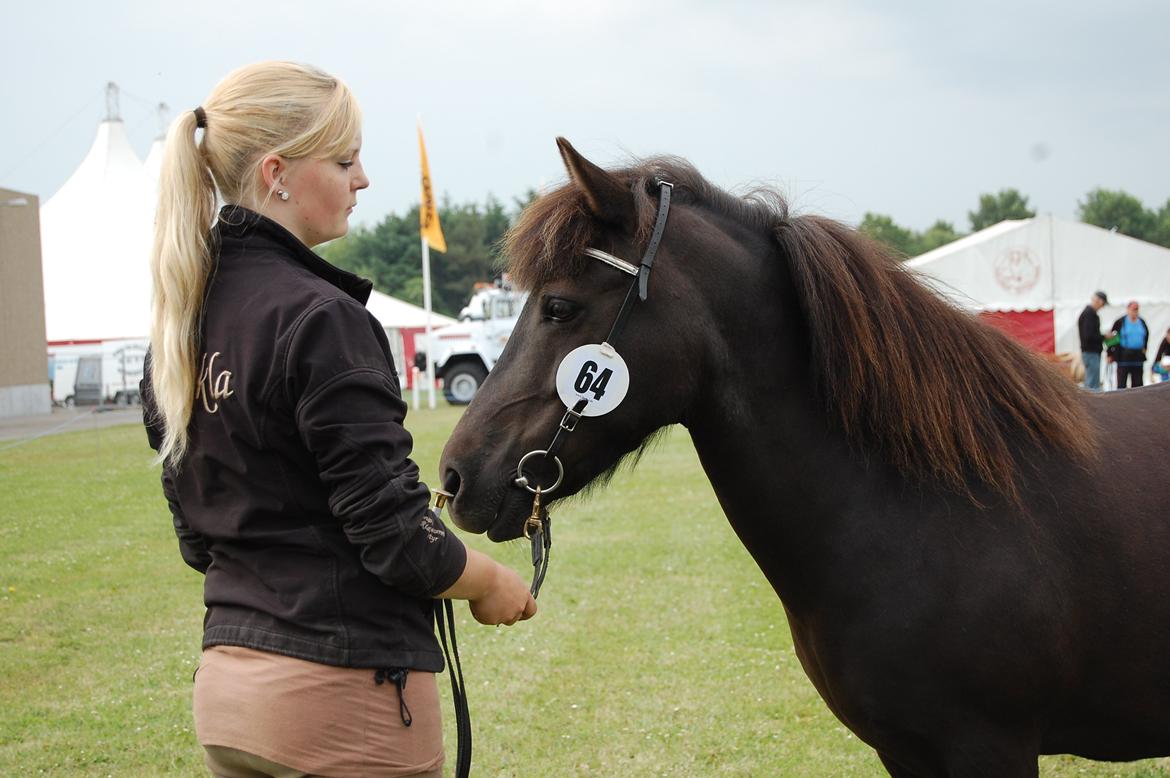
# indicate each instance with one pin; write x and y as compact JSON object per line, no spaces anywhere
{"x":462,"y":382}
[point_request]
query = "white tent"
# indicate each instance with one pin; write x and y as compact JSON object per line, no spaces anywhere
{"x":95,"y":244}
{"x":152,"y":167}
{"x":399,"y":314}
{"x":402,"y":321}
{"x":1035,"y":276}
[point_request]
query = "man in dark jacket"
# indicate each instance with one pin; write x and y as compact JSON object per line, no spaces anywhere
{"x":1089,"y":326}
{"x":1134,"y":336}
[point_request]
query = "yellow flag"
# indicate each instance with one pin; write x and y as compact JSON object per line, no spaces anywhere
{"x":428,"y":216}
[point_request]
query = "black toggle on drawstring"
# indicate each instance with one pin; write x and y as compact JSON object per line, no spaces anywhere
{"x":396,"y":676}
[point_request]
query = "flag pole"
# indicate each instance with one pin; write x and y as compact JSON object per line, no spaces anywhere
{"x":426,"y":263}
{"x":430,"y":231}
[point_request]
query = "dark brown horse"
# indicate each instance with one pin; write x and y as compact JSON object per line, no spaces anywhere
{"x":974,"y":555}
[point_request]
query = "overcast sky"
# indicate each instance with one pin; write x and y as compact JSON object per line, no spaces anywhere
{"x":911,"y":109}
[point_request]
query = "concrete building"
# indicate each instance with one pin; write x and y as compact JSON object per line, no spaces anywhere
{"x":24,"y":370}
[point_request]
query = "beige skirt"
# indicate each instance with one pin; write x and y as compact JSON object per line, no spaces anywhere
{"x":320,"y":719}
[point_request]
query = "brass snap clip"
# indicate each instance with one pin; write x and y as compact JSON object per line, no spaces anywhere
{"x":533,"y":524}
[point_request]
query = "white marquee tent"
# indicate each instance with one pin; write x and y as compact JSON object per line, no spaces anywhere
{"x":392,"y":312}
{"x":402,"y":322}
{"x":153,"y":166}
{"x":95,"y":243}
{"x":1033,"y":277}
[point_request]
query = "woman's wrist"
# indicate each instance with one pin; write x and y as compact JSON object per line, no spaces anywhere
{"x":478,"y":577}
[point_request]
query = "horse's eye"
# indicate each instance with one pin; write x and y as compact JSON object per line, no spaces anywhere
{"x":559,"y":309}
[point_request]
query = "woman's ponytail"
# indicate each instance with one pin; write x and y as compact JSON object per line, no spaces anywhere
{"x":180,"y":263}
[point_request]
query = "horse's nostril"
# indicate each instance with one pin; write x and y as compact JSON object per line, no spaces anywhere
{"x":451,"y":481}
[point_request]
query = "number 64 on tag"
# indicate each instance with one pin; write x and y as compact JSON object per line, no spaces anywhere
{"x":596,"y":373}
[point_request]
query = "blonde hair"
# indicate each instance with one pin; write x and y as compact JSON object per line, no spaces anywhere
{"x":284,"y":108}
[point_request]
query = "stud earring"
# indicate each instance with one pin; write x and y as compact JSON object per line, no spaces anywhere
{"x":283,"y":195}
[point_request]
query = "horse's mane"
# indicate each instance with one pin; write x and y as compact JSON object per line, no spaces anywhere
{"x":905,"y":375}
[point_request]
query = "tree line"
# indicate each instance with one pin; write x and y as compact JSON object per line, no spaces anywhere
{"x":1110,"y":209}
{"x":390,"y":254}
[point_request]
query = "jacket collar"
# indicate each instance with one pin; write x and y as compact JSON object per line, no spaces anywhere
{"x":239,"y":223}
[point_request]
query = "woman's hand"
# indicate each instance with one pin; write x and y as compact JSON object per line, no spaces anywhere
{"x":496,"y":593}
{"x":506,"y":602}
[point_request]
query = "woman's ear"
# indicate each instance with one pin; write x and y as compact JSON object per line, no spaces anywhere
{"x":272,"y":168}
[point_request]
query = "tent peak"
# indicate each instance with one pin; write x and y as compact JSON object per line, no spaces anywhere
{"x":163,"y":111}
{"x":113,"y":110}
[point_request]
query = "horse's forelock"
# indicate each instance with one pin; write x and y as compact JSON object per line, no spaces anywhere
{"x":548,"y":240}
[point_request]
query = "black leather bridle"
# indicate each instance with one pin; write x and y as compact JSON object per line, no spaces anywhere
{"x":536,"y":528}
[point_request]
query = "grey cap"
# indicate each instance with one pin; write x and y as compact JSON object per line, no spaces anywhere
{"x":1104,"y":297}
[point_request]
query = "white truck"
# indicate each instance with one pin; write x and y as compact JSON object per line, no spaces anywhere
{"x":465,"y":352}
{"x":97,"y":372}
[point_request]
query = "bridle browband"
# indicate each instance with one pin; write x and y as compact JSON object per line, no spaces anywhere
{"x":612,"y":261}
{"x":536,"y":528}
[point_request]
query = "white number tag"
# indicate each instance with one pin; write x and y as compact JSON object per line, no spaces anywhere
{"x":594,"y":372}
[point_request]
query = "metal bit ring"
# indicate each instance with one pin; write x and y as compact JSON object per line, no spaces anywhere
{"x":522,"y":480}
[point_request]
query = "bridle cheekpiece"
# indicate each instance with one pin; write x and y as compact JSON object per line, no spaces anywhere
{"x":536,"y":528}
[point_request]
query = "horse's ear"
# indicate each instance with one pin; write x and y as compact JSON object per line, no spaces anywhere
{"x":607,"y":199}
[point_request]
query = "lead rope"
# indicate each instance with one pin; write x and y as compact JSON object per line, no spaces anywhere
{"x":536,"y":529}
{"x":458,"y":689}
{"x":445,"y":621}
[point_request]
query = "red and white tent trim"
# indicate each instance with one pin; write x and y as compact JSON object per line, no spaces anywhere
{"x":1033,"y":277}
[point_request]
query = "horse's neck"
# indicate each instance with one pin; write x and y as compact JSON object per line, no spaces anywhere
{"x":789,"y":483}
{"x":793,"y":489}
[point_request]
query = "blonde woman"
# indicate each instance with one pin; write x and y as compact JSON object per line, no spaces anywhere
{"x":272,"y":400}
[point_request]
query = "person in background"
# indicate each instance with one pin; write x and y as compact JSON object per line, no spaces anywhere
{"x":1134,"y":336}
{"x":1089,"y":327}
{"x":1162,"y":359}
{"x":272,"y":400}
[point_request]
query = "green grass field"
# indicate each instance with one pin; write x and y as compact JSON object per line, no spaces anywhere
{"x":659,"y":648}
